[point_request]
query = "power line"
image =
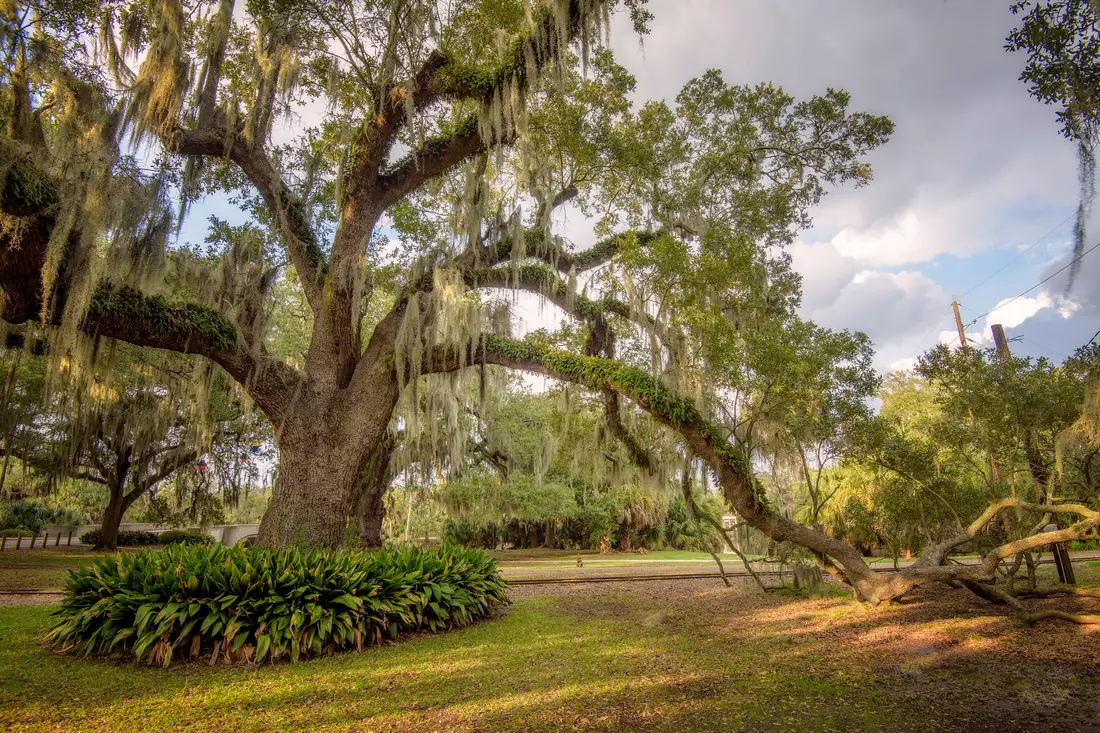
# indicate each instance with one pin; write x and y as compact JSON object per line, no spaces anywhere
{"x":1003,"y":267}
{"x":1045,"y":280}
{"x":1044,"y":348}
{"x":934,"y":326}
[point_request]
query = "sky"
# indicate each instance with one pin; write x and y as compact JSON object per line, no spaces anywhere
{"x":975,"y":173}
{"x":972,"y":199}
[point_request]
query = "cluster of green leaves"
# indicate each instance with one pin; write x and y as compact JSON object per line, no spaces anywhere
{"x":126,"y":537}
{"x":254,"y":604}
{"x":185,"y":537}
{"x":962,"y":430}
{"x":1062,"y":41}
{"x":681,"y":532}
{"x":32,"y":516}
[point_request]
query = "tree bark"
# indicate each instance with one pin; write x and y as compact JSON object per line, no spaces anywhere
{"x":371,"y":505}
{"x":325,"y":445}
{"x":112,"y":518}
{"x":624,"y":536}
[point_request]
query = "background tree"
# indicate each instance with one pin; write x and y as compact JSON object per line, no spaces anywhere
{"x":131,"y":422}
{"x":1062,"y":41}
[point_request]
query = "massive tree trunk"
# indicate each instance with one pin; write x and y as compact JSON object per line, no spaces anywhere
{"x":326,"y":442}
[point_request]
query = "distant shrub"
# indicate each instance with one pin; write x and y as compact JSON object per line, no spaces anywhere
{"x":16,"y":533}
{"x":250,"y":604}
{"x":185,"y":537}
{"x":1082,"y":545}
{"x":126,"y":538}
{"x":32,"y":516}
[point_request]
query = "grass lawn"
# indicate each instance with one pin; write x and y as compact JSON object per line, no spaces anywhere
{"x":40,"y":568}
{"x":666,"y":655}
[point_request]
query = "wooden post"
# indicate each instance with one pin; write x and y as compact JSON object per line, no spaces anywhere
{"x":70,"y":538}
{"x":58,"y":540}
{"x":959,"y":324}
{"x":3,"y":541}
{"x":18,"y":541}
{"x":33,"y":538}
{"x":1064,"y":564}
{"x":1002,"y":343}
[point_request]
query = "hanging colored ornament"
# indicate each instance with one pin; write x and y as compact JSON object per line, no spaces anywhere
{"x":244,"y":458}
{"x":200,"y":465}
{"x":255,"y":446}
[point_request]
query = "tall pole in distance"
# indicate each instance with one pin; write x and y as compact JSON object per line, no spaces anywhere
{"x":1002,"y":343}
{"x":959,"y":325}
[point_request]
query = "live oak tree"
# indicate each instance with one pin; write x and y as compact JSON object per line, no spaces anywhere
{"x":477,"y":107}
{"x":129,"y":422}
{"x":443,"y":84}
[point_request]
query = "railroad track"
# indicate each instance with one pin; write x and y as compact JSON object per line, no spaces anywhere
{"x":587,"y":579}
{"x":683,"y":576}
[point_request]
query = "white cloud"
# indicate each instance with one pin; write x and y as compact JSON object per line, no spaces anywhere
{"x":889,"y":307}
{"x":897,"y":243}
{"x":825,"y":272}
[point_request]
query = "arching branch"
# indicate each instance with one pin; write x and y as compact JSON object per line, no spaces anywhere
{"x":729,"y":463}
{"x":289,"y":212}
{"x":734,"y":473}
{"x":127,"y":314}
{"x":434,"y":157}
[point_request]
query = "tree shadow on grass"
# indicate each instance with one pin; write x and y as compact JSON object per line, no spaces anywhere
{"x":717,"y":659}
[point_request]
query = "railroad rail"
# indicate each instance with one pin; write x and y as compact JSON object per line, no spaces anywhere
{"x":585,"y":579}
{"x":686,"y":576}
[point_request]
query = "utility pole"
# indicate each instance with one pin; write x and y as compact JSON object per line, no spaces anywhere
{"x":1060,"y":549}
{"x":959,"y":325}
{"x":1002,"y":343}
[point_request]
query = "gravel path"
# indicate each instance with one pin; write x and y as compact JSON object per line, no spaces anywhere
{"x":29,"y":599}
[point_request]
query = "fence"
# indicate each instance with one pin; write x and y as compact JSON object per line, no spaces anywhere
{"x":34,"y":538}
{"x":226,"y":534}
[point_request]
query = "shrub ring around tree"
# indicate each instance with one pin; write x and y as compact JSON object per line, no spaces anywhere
{"x":233,"y":604}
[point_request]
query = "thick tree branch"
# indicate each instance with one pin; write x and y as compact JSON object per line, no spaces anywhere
{"x":729,"y":463}
{"x":289,"y":212}
{"x":126,"y":314}
{"x":541,"y":280}
{"x":435,"y":157}
{"x":444,"y":77}
{"x":732,"y":468}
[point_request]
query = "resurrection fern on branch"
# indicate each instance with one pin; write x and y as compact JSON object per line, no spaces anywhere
{"x":252,"y":604}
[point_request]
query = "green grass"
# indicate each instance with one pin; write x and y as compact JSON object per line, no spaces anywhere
{"x":601,"y":660}
{"x":32,"y":579}
{"x":40,"y":569}
{"x":535,"y":669}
